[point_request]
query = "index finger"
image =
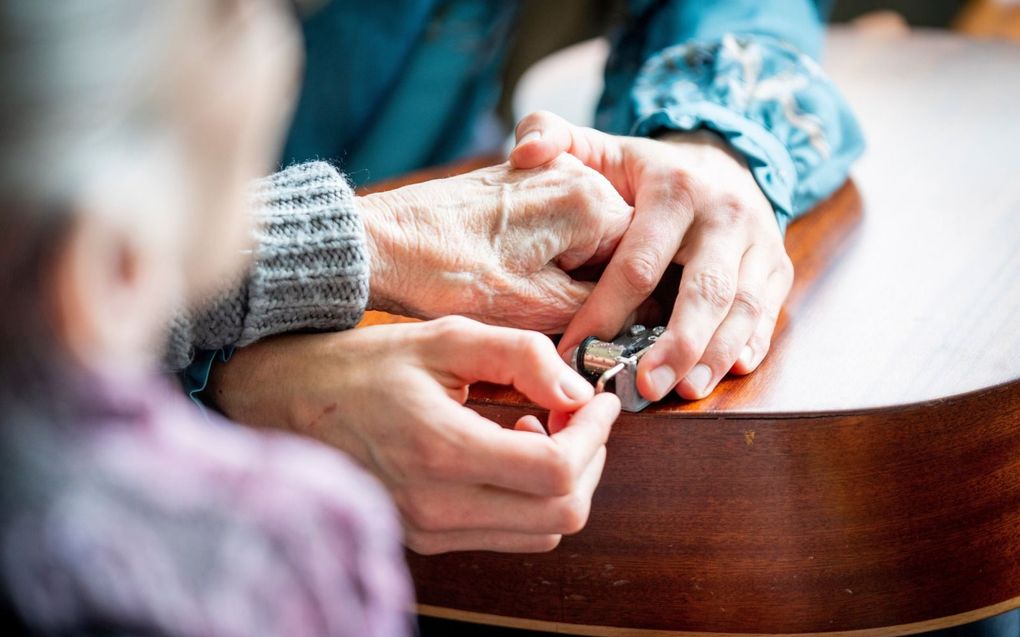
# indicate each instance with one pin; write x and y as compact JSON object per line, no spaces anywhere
{"x":473,"y":351}
{"x":645,"y":251}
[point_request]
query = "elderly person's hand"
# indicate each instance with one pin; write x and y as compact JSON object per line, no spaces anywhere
{"x":493,"y":244}
{"x":392,"y":397}
{"x":696,"y":204}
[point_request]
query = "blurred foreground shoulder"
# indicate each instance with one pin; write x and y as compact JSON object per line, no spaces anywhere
{"x":174,"y":526}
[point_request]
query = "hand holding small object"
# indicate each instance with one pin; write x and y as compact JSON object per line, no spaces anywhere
{"x":696,"y":204}
{"x":392,"y":396}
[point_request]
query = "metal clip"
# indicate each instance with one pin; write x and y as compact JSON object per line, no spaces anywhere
{"x":600,"y":385}
{"x":602,"y":361}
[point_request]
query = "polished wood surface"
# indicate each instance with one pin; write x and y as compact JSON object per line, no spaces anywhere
{"x":867,"y":477}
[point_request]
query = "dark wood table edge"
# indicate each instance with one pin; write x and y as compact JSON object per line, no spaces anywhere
{"x":588,"y":630}
{"x":1004,"y":393}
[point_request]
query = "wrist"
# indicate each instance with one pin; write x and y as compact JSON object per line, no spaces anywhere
{"x":246,"y":389}
{"x":701,"y":138}
{"x":379,"y":217}
{"x":712,"y":155}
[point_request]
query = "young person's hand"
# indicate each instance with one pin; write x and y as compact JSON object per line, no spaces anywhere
{"x":493,"y":244}
{"x":392,"y":396}
{"x":696,"y":204}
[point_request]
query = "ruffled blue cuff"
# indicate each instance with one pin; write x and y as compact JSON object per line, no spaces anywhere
{"x":195,"y":377}
{"x":772,"y":103}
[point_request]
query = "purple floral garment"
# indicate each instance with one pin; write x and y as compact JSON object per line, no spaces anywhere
{"x":145,"y":517}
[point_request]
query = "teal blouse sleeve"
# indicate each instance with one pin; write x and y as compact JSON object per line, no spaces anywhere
{"x":747,"y":70}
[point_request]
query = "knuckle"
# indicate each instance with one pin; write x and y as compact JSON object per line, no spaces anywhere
{"x":640,"y":273}
{"x":449,"y":329}
{"x":452,"y":324}
{"x":748,"y":303}
{"x":431,"y":457}
{"x":433,"y":516}
{"x":546,"y":543}
{"x":723,"y":352}
{"x":682,"y":346}
{"x":728,"y":211}
{"x":572,"y":167}
{"x":573,"y":514}
{"x":683,"y":181}
{"x":762,"y":338}
{"x":529,"y":121}
{"x":534,"y":348}
{"x":595,"y":200}
{"x":785,"y":266}
{"x":770,"y":316}
{"x":761,"y":345}
{"x":417,"y":513}
{"x":437,"y":461}
{"x":539,"y":116}
{"x":560,"y":473}
{"x":714,"y":287}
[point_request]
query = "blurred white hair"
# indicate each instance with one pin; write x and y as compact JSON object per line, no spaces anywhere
{"x":77,"y":96}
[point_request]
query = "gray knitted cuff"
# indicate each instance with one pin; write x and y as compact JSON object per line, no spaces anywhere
{"x":310,"y":267}
{"x":311,"y":261}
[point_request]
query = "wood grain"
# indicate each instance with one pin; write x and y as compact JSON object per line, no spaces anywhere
{"x":774,"y":525}
{"x":867,"y":477}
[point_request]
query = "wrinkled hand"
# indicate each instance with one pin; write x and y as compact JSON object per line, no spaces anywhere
{"x":392,"y":397}
{"x":493,"y":244}
{"x":696,"y":204}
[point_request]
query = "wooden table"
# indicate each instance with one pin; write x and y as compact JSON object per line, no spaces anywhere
{"x":866,"y":479}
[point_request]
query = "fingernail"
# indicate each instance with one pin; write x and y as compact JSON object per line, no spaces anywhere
{"x":662,"y":379}
{"x":575,"y":387}
{"x":532,"y":136}
{"x":698,"y":377}
{"x":746,"y":356}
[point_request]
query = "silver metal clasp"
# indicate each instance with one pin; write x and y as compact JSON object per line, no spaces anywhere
{"x":612,"y":365}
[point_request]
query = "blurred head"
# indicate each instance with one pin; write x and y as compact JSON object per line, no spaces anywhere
{"x":128,"y":134}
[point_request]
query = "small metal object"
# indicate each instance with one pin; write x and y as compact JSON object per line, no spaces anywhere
{"x":616,"y":361}
{"x":608,"y":375}
{"x":636,"y":330}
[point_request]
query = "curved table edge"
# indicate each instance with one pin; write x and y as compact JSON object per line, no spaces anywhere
{"x":590,"y":630}
{"x":727,"y":414}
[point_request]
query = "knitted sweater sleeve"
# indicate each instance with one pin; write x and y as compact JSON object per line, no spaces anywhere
{"x":309,"y":270}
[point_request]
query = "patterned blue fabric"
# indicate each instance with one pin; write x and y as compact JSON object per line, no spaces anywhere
{"x":771,"y":102}
{"x":746,"y":70}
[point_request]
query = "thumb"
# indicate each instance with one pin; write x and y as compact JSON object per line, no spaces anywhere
{"x":541,"y":138}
